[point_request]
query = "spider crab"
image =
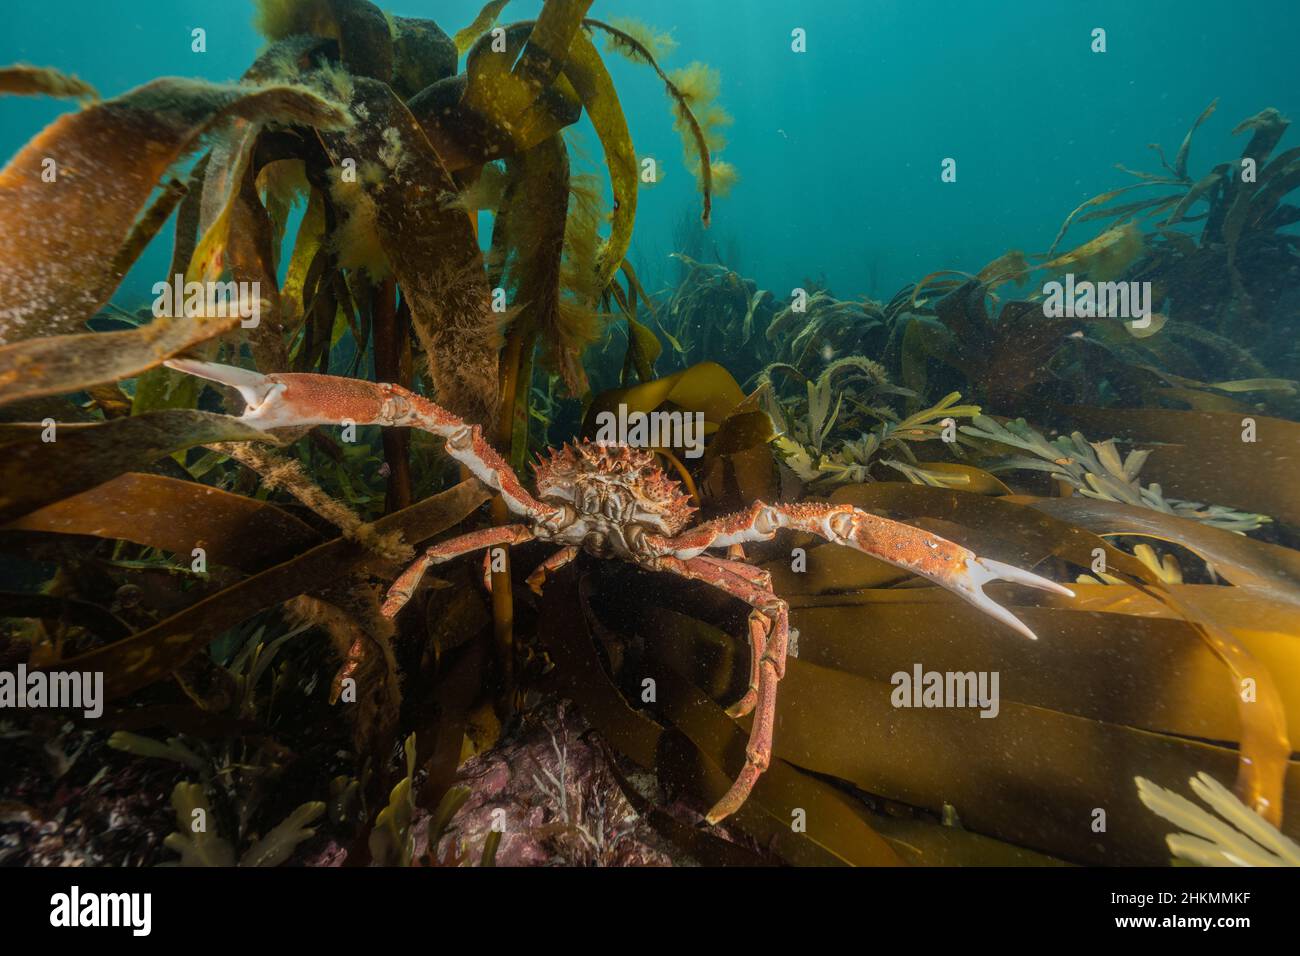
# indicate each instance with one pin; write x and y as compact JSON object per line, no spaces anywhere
{"x":614,"y":501}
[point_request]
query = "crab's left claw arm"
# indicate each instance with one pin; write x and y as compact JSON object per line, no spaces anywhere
{"x":297,"y":398}
{"x":944,"y":562}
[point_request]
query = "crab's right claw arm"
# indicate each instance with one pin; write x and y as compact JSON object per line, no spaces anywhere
{"x":944,"y":562}
{"x":980,"y":571}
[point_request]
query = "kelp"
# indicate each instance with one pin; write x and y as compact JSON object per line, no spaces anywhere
{"x":60,"y":364}
{"x":863,"y":409}
{"x":52,"y":282}
{"x":1083,"y":636}
{"x":362,"y":30}
{"x":714,"y":310}
{"x":176,"y":516}
{"x":466,"y":138}
{"x":595,"y":89}
{"x":432,"y":249}
{"x":149,"y":224}
{"x":825,"y":326}
{"x":1096,"y":470}
{"x":503,"y":89}
{"x":688,"y":95}
{"x":1264,"y":735}
{"x":1014,"y":354}
{"x":1103,"y":258}
{"x":1240,"y":207}
{"x":1251,"y":475}
{"x":481,"y":24}
{"x":199,"y":844}
{"x":22,"y":79}
{"x":980,"y":767}
{"x":35,"y":472}
{"x":531,"y":236}
{"x":391,"y":841}
{"x":1236,"y":837}
{"x":279,"y":473}
{"x":1244,"y":562}
{"x":706,"y":388}
{"x":422,"y":54}
{"x":151,"y":654}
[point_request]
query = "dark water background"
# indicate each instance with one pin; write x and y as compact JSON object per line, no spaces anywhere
{"x":839,"y":148}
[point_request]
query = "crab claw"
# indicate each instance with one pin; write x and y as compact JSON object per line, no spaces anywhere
{"x":258,"y":390}
{"x":980,"y":571}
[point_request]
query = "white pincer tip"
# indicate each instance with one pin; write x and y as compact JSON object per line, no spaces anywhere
{"x":253,"y":386}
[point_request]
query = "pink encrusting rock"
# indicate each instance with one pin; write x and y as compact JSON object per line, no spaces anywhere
{"x":549,"y":790}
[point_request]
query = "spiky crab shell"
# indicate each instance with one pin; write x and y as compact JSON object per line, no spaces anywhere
{"x":563,"y":474}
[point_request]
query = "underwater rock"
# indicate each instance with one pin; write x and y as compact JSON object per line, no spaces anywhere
{"x":551,"y":792}
{"x":66,"y":799}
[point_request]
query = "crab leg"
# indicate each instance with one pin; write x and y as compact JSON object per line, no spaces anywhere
{"x":293,"y":398}
{"x":759,"y":626}
{"x":407,"y":581}
{"x":769,"y":628}
{"x":552,"y":564}
{"x":944,"y":562}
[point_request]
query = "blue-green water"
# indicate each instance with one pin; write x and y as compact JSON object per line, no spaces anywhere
{"x":838,"y":148}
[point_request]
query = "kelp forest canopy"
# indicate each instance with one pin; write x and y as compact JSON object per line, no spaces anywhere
{"x":227,"y":581}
